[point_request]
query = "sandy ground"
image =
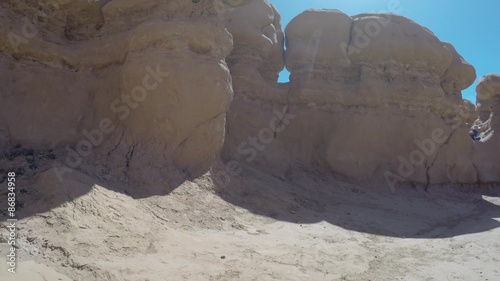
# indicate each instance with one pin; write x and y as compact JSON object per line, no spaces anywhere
{"x":304,"y":226}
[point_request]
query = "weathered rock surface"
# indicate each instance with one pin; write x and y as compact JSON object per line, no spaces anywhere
{"x":488,"y":147}
{"x":107,"y":107}
{"x":135,"y":88}
{"x":258,"y":38}
{"x":373,"y":97}
{"x":139,"y":90}
{"x":318,"y":37}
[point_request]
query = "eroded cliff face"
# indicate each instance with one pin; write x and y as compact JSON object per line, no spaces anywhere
{"x":487,"y":148}
{"x":138,"y":91}
{"x":375,"y":98}
{"x":128,"y":90}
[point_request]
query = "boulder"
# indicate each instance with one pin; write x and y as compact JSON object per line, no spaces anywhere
{"x":257,"y":33}
{"x":318,"y":37}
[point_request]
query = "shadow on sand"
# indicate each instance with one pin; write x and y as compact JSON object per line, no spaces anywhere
{"x":313,"y":196}
{"x":307,"y":197}
{"x":45,"y":191}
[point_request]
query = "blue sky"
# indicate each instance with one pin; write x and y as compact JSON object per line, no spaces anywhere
{"x":473,"y":27}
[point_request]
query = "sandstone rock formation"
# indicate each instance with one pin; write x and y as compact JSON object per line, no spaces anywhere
{"x":133,"y":89}
{"x":114,"y":115}
{"x":138,"y":91}
{"x":257,"y":33}
{"x":375,"y":98}
{"x":488,"y":148}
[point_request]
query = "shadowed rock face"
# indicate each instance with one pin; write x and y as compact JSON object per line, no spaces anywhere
{"x":374,"y":97}
{"x":488,"y":124}
{"x":135,"y":88}
{"x":459,"y":76}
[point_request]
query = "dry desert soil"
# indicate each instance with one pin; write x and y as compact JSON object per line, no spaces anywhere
{"x":306,"y":226}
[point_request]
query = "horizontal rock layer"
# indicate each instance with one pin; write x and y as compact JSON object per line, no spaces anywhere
{"x":139,"y":90}
{"x":375,"y":98}
{"x":131,"y":90}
